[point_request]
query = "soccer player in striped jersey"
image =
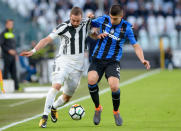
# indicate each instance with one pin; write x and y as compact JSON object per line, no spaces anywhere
{"x":106,"y":58}
{"x":69,"y":62}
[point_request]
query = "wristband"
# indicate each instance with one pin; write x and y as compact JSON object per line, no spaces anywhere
{"x":33,"y":50}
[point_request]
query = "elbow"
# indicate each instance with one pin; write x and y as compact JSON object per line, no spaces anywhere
{"x":45,"y":40}
{"x":137,"y":47}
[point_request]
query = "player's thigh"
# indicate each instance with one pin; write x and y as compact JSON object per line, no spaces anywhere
{"x":95,"y":73}
{"x":112,"y":69}
{"x":59,"y":75}
{"x":71,"y":84}
{"x":112,"y":73}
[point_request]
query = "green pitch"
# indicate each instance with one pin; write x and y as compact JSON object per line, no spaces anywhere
{"x":150,"y":104}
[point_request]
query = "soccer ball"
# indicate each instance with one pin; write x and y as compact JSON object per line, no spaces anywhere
{"x":76,"y":112}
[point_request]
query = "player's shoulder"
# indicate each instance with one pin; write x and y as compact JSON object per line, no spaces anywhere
{"x":63,"y":24}
{"x":127,"y":23}
{"x":106,"y":17}
{"x":102,"y":17}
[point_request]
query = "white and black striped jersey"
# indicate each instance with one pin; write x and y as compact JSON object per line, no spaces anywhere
{"x":72,"y":44}
{"x":72,"y":40}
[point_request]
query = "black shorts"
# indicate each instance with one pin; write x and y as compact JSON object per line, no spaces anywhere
{"x":110,"y":67}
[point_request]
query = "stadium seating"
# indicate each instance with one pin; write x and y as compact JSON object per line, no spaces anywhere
{"x":156,"y":16}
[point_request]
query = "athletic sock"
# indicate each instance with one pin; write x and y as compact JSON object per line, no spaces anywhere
{"x":93,"y":89}
{"x":49,"y":100}
{"x":116,"y":99}
{"x":59,"y":102}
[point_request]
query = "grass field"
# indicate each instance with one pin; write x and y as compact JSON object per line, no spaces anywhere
{"x":150,"y":104}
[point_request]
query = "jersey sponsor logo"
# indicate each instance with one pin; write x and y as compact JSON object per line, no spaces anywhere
{"x":112,"y":36}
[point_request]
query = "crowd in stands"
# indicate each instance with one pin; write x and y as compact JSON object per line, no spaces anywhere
{"x":151,"y":18}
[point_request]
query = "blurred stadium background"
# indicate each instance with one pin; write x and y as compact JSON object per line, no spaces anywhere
{"x":157,"y":23}
{"x":152,"y":20}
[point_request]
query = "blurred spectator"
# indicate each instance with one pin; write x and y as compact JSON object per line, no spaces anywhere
{"x":90,"y":5}
{"x":178,"y":9}
{"x":107,"y":6}
{"x":178,"y":28}
{"x":8,"y":44}
{"x":168,"y":58}
{"x":156,"y":13}
{"x":33,"y":60}
{"x":30,"y":70}
{"x":29,"y":64}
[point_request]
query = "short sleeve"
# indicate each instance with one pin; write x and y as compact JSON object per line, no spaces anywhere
{"x":97,"y":22}
{"x":59,"y":30}
{"x":131,"y":35}
{"x":88,"y":26}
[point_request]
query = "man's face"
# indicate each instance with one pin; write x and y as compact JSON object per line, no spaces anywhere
{"x":115,"y":20}
{"x":9,"y":24}
{"x":75,"y":20}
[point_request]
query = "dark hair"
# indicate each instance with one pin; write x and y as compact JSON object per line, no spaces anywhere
{"x":116,"y":10}
{"x":9,"y":20}
{"x":76,"y":11}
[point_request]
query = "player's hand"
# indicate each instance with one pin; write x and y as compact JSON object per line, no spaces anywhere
{"x":90,"y":15}
{"x":146,"y":64}
{"x":101,"y":36}
{"x":26,"y":53}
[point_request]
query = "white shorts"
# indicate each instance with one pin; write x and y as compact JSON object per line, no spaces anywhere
{"x":65,"y":75}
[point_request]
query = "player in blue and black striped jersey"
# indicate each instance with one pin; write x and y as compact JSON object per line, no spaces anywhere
{"x":114,"y":31}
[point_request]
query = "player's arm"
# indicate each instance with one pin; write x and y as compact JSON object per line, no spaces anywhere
{"x":96,"y":23}
{"x":94,"y":33}
{"x":137,"y":48}
{"x":140,"y":55}
{"x":42,"y":43}
{"x":60,"y":29}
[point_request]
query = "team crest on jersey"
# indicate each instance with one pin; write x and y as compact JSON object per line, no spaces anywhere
{"x":112,"y":31}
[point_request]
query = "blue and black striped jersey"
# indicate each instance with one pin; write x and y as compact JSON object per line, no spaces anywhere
{"x":110,"y":47}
